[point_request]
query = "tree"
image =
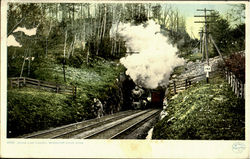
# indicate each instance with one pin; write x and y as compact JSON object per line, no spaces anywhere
{"x":220,"y":29}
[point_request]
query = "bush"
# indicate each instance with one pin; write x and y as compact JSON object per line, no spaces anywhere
{"x":236,"y":63}
{"x":32,"y":110}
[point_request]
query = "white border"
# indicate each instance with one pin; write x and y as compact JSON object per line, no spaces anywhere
{"x":115,"y":148}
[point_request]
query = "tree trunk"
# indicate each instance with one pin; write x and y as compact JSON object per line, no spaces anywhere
{"x":73,"y":46}
{"x":21,"y":74}
{"x":29,"y":64}
{"x":64,"y":54}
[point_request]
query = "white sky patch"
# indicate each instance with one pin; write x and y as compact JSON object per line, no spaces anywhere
{"x":11,"y":41}
{"x":194,"y":28}
{"x":156,"y":59}
{"x":28,"y":32}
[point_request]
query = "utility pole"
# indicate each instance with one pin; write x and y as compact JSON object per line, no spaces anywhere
{"x":206,"y":68}
{"x":201,"y":44}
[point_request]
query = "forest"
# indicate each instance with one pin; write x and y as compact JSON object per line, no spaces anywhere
{"x":76,"y":44}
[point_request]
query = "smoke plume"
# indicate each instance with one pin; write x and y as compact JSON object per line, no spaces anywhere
{"x":156,"y":59}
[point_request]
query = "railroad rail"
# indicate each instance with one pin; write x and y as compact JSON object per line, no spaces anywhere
{"x":114,"y":126}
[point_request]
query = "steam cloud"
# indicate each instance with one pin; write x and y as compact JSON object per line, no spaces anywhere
{"x":156,"y":59}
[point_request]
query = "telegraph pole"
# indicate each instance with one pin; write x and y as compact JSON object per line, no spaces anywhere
{"x":201,"y":44}
{"x":206,"y":68}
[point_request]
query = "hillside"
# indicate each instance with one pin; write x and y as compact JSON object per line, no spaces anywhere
{"x":31,"y":109}
{"x":204,"y":111}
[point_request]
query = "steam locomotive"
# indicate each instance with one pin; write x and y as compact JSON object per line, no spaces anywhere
{"x":148,"y":98}
{"x":140,"y":97}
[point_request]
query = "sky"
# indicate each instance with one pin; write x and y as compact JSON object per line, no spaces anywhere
{"x":188,"y":10}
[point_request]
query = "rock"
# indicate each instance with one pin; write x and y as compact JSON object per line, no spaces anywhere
{"x":174,"y":96}
{"x":184,"y":99}
{"x":220,"y":98}
{"x":174,"y":76}
{"x":169,"y":120}
{"x":163,"y":114}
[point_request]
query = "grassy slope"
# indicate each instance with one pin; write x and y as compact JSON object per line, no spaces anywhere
{"x":204,"y":111}
{"x":31,"y":109}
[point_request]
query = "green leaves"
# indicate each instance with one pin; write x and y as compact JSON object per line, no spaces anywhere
{"x":204,"y":111}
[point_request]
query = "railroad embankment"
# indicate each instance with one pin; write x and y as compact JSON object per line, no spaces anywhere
{"x":207,"y":111}
{"x":32,"y":109}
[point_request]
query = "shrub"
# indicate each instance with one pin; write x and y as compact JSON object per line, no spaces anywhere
{"x":236,"y":63}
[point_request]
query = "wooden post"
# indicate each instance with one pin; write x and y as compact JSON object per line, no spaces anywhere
{"x":185,"y":83}
{"x":216,"y":46}
{"x":226,"y":73}
{"x":17,"y":82}
{"x":57,"y":88}
{"x":232,"y":83}
{"x":231,"y":79}
{"x":238,"y":88}
{"x":242,"y":90}
{"x":174,"y":87}
{"x":75,"y":91}
{"x":39,"y":84}
{"x":24,"y":81}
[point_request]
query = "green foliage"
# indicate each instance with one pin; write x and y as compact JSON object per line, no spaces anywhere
{"x":204,"y":111}
{"x":220,"y":32}
{"x":236,"y":64}
{"x":228,"y":39}
{"x":27,"y":14}
{"x":178,"y":70}
{"x":31,"y":110}
{"x":156,"y":11}
{"x":192,"y":56}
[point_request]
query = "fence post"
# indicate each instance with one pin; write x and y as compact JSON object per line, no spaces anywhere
{"x":17,"y":82}
{"x":24,"y":81}
{"x":233,"y":82}
{"x":174,"y":87}
{"x":242,"y":90}
{"x":226,"y":72}
{"x":39,"y":84}
{"x":236,"y":87}
{"x":185,"y":83}
{"x":189,"y":83}
{"x":75,"y":91}
{"x":57,"y":88}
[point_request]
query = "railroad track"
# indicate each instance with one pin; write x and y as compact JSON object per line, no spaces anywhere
{"x":108,"y":127}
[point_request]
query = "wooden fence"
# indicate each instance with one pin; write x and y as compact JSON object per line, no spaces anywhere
{"x":238,"y":87}
{"x":39,"y":84}
{"x":183,"y":84}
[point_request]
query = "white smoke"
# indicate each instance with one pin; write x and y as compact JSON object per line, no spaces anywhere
{"x":156,"y":59}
